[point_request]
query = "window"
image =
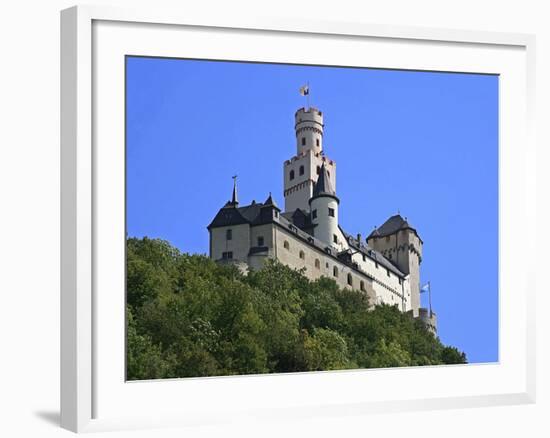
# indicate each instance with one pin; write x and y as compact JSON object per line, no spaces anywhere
{"x":276,"y":213}
{"x":303,"y":141}
{"x":335,"y":271}
{"x":335,"y":238}
{"x":331,"y":212}
{"x":227,"y":255}
{"x":286,"y":245}
{"x":317,"y":264}
{"x":318,"y":170}
{"x":301,"y":170}
{"x":291,"y":175}
{"x":388,"y":272}
{"x":350,"y":280}
{"x":314,"y":214}
{"x":302,"y":255}
{"x":326,"y":265}
{"x":228,"y":234}
{"x":260,"y":240}
{"x":362,"y":285}
{"x":317,"y":141}
{"x":328,"y":173}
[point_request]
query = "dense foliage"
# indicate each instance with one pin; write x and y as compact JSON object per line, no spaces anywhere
{"x":189,"y":316}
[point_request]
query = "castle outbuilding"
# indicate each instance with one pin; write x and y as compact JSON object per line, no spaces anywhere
{"x":307,"y":234}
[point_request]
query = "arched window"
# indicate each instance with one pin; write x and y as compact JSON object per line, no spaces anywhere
{"x":301,"y":170}
{"x":302,"y":255}
{"x":335,"y":271}
{"x":350,"y":280}
{"x":362,"y":285}
{"x":317,"y":264}
{"x":291,"y":175}
{"x":286,"y":244}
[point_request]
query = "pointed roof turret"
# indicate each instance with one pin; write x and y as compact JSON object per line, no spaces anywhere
{"x":269,"y":202}
{"x":323,"y":186}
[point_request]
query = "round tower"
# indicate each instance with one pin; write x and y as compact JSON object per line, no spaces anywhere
{"x":309,"y":130}
{"x":323,"y":207}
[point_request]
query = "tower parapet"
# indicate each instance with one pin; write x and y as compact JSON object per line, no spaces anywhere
{"x":309,"y":130}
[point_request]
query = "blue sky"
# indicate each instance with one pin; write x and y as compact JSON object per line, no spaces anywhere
{"x":421,"y":143}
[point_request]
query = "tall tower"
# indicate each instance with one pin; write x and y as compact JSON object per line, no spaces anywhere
{"x":324,"y":210}
{"x":400,"y":244}
{"x":303,"y":169}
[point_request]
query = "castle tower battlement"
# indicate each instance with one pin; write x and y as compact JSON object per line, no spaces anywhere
{"x":309,"y":130}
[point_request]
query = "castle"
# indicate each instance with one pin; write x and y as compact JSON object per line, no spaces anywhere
{"x":385,"y":265}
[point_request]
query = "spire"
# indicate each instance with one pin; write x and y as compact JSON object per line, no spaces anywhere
{"x":234,"y":199}
{"x":323,"y":185}
{"x":269,"y":202}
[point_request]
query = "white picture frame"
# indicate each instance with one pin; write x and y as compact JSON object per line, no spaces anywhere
{"x":92,"y":393}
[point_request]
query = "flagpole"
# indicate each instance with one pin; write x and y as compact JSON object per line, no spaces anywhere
{"x":307,"y":96}
{"x":430,"y":296}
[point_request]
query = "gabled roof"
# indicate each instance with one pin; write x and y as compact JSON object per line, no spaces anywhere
{"x":391,"y":226}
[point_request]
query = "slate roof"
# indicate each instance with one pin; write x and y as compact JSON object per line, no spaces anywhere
{"x":371,"y":253}
{"x":323,"y":186}
{"x":231,"y":214}
{"x":391,"y":226}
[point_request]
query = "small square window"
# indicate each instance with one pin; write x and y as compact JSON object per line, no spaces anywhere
{"x":331,"y":212}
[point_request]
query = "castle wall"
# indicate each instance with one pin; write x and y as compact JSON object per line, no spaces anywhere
{"x":383,"y":290}
{"x":239,"y":243}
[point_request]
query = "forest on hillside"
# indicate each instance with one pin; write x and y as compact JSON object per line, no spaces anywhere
{"x":188,"y":316}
